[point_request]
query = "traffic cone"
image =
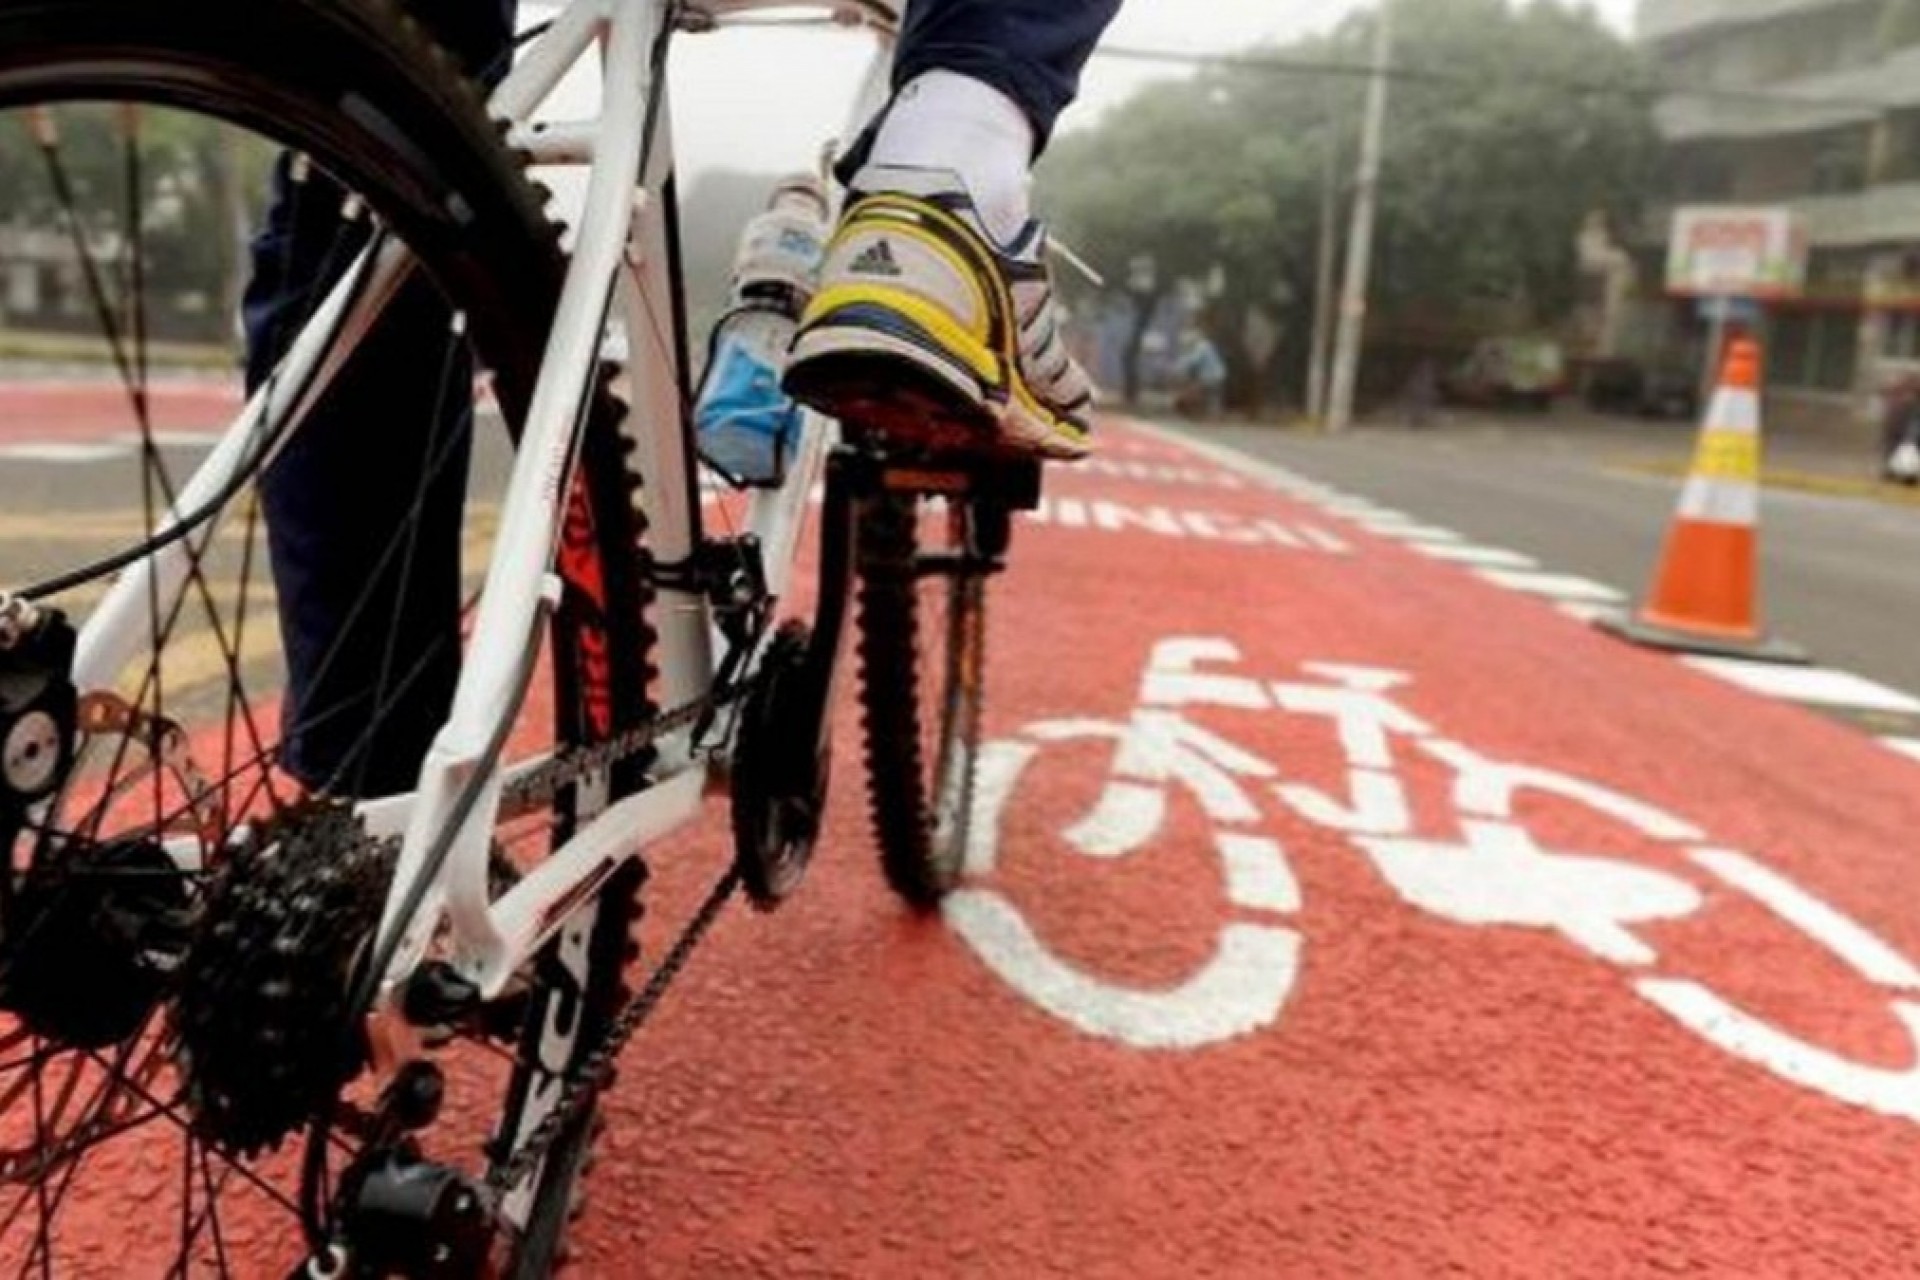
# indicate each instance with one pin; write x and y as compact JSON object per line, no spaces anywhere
{"x":1705,"y":596}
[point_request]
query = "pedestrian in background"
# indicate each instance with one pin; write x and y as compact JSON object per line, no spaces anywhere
{"x":1900,"y":432}
{"x":1260,"y":344}
{"x":1199,"y":376}
{"x":1422,"y":394}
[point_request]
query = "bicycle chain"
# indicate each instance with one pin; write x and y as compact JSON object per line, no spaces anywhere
{"x":539,"y":785}
{"x":537,"y":788}
{"x":579,"y":1093}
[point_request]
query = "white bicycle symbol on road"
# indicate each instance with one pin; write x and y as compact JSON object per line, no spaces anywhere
{"x":1492,"y":873}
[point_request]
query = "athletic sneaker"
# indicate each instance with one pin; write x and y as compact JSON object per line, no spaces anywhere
{"x":926,"y":332}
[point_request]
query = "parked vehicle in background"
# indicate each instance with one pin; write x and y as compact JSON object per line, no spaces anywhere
{"x":1649,"y":390}
{"x":1503,"y":373}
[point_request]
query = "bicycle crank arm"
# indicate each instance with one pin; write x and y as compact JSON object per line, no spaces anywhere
{"x":852,"y":475}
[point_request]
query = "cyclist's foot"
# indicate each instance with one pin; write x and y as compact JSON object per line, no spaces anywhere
{"x":927,"y":332}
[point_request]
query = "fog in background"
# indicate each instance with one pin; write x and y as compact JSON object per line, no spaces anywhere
{"x":760,"y":100}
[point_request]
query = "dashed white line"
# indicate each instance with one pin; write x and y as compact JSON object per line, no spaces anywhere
{"x":1480,"y":557}
{"x":1554,"y":586}
{"x":1820,"y":685}
{"x":1579,"y":598}
{"x":57,"y":451}
{"x":174,"y":439}
{"x":1422,"y":534}
{"x":120,"y":445}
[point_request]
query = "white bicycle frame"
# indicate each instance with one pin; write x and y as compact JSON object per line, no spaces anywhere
{"x":622,"y":276}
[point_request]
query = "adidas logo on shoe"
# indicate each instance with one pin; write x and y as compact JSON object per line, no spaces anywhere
{"x":875,"y":260}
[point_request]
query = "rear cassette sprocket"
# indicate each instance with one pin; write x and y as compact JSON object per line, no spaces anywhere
{"x":261,"y":1015}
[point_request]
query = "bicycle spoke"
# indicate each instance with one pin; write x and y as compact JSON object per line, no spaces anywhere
{"x":235,"y":697}
{"x":50,"y":1204}
{"x":187,"y":1225}
{"x":136,"y":239}
{"x":212,"y":1192}
{"x":174,"y":1113}
{"x":47,"y":137}
{"x":171,"y":761}
{"x":43,"y":1237}
{"x":97,"y":1109}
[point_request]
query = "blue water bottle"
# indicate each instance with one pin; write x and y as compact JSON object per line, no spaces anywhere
{"x":746,"y":427}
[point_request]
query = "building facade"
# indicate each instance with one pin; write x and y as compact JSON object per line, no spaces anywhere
{"x":1814,"y":105}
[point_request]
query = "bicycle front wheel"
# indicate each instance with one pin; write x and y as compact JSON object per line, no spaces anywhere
{"x":922,"y":650}
{"x":178,"y":924}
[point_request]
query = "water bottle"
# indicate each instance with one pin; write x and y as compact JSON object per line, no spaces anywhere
{"x":746,"y":426}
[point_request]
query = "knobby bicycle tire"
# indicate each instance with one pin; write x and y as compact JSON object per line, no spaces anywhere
{"x":921,"y":673}
{"x":358,"y":88}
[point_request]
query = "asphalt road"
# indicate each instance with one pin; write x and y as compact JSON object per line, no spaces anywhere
{"x":1841,"y":576}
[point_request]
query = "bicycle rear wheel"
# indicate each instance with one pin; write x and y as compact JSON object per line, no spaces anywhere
{"x":179,"y":852}
{"x":924,"y":565}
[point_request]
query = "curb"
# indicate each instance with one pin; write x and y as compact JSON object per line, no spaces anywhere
{"x":1791,"y":480}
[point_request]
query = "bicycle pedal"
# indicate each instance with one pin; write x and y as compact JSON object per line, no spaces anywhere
{"x":1013,"y":483}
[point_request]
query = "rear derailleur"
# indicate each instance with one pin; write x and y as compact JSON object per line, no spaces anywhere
{"x":398,"y":1213}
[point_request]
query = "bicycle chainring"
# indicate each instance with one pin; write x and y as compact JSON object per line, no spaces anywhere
{"x":780,"y":770}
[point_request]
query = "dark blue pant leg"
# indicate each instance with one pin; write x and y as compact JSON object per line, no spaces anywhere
{"x":366,"y":593}
{"x":1030,"y":50}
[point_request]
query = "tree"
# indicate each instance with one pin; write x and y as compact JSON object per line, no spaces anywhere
{"x":1508,"y":127}
{"x":201,"y":185}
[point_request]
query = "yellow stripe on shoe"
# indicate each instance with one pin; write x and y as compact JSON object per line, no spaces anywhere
{"x":912,"y":294}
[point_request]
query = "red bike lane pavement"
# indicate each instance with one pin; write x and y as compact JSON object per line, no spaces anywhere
{"x":48,"y":411}
{"x":1331,"y":912}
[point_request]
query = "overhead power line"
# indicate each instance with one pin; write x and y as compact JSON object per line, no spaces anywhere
{"x":1281,"y":64}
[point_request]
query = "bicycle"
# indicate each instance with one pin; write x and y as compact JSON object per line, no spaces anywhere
{"x":310,"y":997}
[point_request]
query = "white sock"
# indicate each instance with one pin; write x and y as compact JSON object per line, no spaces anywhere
{"x":943,"y":120}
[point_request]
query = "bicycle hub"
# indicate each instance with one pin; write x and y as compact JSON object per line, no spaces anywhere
{"x":38,"y":707}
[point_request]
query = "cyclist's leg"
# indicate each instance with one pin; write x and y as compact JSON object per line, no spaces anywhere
{"x":1032,"y":51}
{"x":363,"y":600}
{"x":935,"y":321}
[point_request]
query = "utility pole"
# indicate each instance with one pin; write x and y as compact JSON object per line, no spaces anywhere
{"x":1324,"y":283}
{"x":1353,"y":301}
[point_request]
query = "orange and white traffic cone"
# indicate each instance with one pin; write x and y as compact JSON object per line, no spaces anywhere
{"x":1705,"y":596}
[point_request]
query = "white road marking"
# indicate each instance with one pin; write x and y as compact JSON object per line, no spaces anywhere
{"x":1258,"y":876}
{"x":1889,"y":1091}
{"x":1862,"y":952}
{"x":1556,"y":586}
{"x":174,"y":439}
{"x":1578,"y":598}
{"x":1500,"y":877}
{"x":61,"y":452}
{"x":1587,"y":610}
{"x":1809,"y":684}
{"x":1483,"y":557}
{"x":1159,"y":473}
{"x":1363,"y":510}
{"x":1419,"y":533}
{"x":1171,"y":522}
{"x":1239,"y":991}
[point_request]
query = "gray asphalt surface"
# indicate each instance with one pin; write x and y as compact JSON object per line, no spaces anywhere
{"x":1841,"y":576}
